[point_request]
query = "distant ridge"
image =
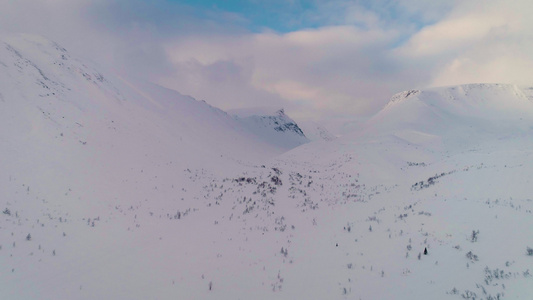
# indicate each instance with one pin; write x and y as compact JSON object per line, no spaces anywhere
{"x":273,"y":126}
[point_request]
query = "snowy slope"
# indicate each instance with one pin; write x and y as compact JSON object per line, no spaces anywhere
{"x":465,"y":114}
{"x":116,"y":189}
{"x":316,"y":132}
{"x":44,"y":84}
{"x":275,"y":127}
{"x":80,"y":147}
{"x":429,"y":170}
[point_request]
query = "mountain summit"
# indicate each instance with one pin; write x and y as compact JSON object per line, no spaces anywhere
{"x":462,"y":114}
{"x":275,"y":127}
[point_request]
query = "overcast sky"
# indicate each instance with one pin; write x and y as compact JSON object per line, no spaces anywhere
{"x":322,"y":60}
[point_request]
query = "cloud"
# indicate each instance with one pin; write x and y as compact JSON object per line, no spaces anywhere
{"x":477,"y":42}
{"x":336,"y":68}
{"x":319,"y":59}
{"x":127,"y":34}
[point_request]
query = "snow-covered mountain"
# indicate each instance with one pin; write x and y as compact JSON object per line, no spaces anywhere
{"x":465,"y":114}
{"x":80,"y":143}
{"x":445,"y":169}
{"x":316,"y":132}
{"x":71,"y":100}
{"x":275,"y":127}
{"x":111,"y":188}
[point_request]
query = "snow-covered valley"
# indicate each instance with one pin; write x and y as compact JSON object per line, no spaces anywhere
{"x":112,"y":188}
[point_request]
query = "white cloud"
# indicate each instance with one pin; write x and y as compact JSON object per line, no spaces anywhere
{"x":355,"y":67}
{"x":327,"y":68}
{"x":487,"y":41}
{"x":454,"y":34}
{"x":501,"y":65}
{"x":351,"y":59}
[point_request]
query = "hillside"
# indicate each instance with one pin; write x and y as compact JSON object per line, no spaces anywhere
{"x":275,"y":127}
{"x":464,"y":114}
{"x":81,"y":145}
{"x":445,"y":169}
{"x":315,"y":131}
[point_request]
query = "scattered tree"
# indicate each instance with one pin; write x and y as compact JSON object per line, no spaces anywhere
{"x":474,"y":235}
{"x":472,"y":256}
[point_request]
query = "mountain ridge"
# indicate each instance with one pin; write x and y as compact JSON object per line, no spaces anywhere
{"x":466,"y":113}
{"x":275,"y":127}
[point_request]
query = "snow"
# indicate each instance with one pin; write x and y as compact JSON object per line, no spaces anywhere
{"x":315,"y":131}
{"x":275,"y":127}
{"x":132,"y":191}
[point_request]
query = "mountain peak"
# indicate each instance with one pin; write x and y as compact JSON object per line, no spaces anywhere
{"x":469,"y":94}
{"x":273,"y":125}
{"x":464,"y":113}
{"x":396,"y":98}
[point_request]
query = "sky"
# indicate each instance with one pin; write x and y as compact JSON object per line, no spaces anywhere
{"x":336,"y":62}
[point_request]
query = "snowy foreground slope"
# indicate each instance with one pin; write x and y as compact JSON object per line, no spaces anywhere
{"x":80,"y":145}
{"x":113,"y":189}
{"x":429,"y":170}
